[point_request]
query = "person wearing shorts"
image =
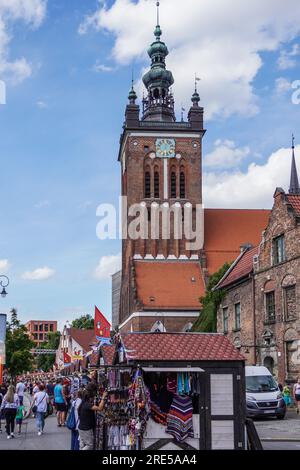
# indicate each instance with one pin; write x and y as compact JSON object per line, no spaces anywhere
{"x":60,"y":403}
{"x":296,"y":394}
{"x":19,"y":417}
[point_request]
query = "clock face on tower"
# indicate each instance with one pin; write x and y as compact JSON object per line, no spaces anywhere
{"x":165,"y":148}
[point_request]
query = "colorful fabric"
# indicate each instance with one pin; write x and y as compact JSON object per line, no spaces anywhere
{"x":183,"y":383}
{"x":180,"y":418}
{"x":157,"y":415}
{"x":172,"y":384}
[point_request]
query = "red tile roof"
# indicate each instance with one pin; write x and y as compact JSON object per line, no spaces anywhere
{"x":225,"y":230}
{"x":175,"y":285}
{"x":108,"y":353}
{"x":179,"y":347}
{"x":294,"y":200}
{"x":83,"y":337}
{"x":242,"y":267}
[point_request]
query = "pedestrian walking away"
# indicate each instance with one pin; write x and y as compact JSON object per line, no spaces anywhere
{"x":60,"y":403}
{"x":10,"y":403}
{"x":20,"y":389}
{"x":39,"y":406}
{"x":19,"y":417}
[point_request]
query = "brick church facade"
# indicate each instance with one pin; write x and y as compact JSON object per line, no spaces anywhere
{"x":161,"y":167}
{"x":260,"y":312}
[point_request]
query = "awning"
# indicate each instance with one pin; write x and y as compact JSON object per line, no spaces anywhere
{"x":172,"y":369}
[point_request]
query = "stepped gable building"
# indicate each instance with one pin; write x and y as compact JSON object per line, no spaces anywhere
{"x":161,"y":166}
{"x":260,"y":312}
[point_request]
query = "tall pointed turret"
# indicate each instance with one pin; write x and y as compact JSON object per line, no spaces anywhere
{"x":294,"y":182}
{"x":159,"y":104}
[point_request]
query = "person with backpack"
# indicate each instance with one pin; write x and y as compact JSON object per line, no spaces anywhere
{"x":39,"y":407}
{"x":73,"y":420}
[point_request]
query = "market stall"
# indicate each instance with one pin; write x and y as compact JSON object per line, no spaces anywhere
{"x":191,"y":392}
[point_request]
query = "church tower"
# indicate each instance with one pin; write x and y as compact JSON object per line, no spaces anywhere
{"x":161,"y":170}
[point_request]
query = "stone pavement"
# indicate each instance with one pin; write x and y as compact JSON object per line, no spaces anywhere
{"x":55,"y":438}
{"x":273,"y":429}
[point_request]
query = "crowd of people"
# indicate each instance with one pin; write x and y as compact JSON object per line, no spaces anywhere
{"x":72,"y":399}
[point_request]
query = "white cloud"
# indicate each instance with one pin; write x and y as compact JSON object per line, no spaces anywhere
{"x":282,"y":85}
{"x":221,"y":40}
{"x":286,"y":59}
{"x":32,"y":13}
{"x":39,"y":274}
{"x":225,"y":155}
{"x":253,"y":188}
{"x":102,"y":68}
{"x":41,"y":104}
{"x":4,"y":266}
{"x":107,"y":266}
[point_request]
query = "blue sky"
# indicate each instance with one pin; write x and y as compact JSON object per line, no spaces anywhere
{"x":61,"y":124}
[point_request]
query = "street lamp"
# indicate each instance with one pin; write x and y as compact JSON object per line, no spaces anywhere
{"x":4,"y":281}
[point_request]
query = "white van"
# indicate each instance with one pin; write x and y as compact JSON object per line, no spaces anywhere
{"x":263,"y":397}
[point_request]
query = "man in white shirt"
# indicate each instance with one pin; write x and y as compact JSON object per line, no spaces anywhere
{"x":20,"y":389}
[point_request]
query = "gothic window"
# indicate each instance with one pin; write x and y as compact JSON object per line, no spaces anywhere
{"x":182,"y":185}
{"x":270,"y":306}
{"x":225,"y":320}
{"x":290,"y":302}
{"x":173,"y":185}
{"x":278,"y":250}
{"x":237,"y":315}
{"x":156,"y":184}
{"x":147,"y":184}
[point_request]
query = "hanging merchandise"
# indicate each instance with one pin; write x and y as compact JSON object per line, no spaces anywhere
{"x":183,"y":383}
{"x":127,"y":409}
{"x":180,"y":418}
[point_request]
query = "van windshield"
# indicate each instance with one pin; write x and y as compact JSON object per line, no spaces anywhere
{"x":261,"y":383}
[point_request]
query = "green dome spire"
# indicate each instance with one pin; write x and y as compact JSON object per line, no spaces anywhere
{"x":158,"y":80}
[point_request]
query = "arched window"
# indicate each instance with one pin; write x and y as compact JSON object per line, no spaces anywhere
{"x":156,"y":184}
{"x":173,"y":185}
{"x":147,"y":184}
{"x":182,"y":185}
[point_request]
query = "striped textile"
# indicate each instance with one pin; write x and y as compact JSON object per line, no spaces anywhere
{"x":180,"y":418}
{"x":157,"y":415}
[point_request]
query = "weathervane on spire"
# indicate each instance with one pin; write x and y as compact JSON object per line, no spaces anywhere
{"x":157,"y":5}
{"x":293,"y":141}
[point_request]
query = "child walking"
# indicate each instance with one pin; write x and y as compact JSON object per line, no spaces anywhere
{"x":19,"y":417}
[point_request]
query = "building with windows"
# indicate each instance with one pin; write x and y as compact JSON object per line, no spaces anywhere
{"x":38,"y":330}
{"x":261,"y":311}
{"x":163,"y":277}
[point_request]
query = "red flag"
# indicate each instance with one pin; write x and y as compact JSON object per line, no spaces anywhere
{"x":101,"y":325}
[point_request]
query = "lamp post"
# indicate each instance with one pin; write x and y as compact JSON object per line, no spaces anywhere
{"x":4,"y":282}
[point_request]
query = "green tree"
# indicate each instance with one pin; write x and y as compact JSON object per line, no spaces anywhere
{"x":85,"y":322}
{"x":46,"y":361}
{"x":18,"y":345}
{"x":207,"y":320}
